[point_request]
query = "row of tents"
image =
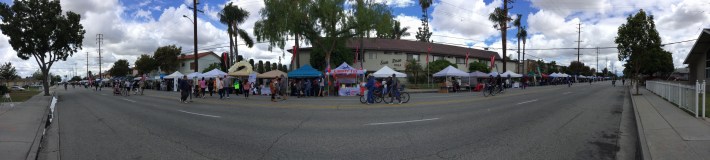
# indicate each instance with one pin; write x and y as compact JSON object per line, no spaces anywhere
{"x":451,"y":71}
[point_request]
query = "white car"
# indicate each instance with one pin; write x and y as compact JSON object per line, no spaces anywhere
{"x":17,"y":88}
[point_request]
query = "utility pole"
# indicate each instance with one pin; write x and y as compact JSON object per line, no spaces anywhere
{"x":597,"y":61}
{"x":194,"y":26}
{"x":87,"y":65}
{"x":100,"y":40}
{"x":579,"y":36}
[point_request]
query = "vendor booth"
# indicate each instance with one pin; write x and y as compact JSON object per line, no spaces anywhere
{"x":450,"y":71}
{"x":214,"y":73}
{"x":347,"y":77}
{"x":306,"y":71}
{"x":240,"y":69}
{"x":172,"y":79}
{"x":387,"y":72}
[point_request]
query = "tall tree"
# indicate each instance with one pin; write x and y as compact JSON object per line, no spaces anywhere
{"x":398,"y":31}
{"x":120,"y":68}
{"x":37,"y":28}
{"x":517,"y":23}
{"x":232,"y":16}
{"x":166,"y":58}
{"x":260,"y":67}
{"x":275,"y":66}
{"x":415,"y":69}
{"x":500,"y":18}
{"x":370,"y":17}
{"x":145,"y":64}
{"x":523,"y":35}
{"x":284,"y":68}
{"x":251,"y":61}
{"x":605,"y":71}
{"x":75,"y":78}
{"x":8,"y":72}
{"x":423,"y":34}
{"x":322,"y":22}
{"x":267,"y":66}
{"x":637,"y":40}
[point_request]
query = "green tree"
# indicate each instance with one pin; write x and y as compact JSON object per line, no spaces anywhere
{"x":37,"y":28}
{"x":37,"y":75}
{"x":145,"y":64}
{"x":478,"y":66}
{"x":212,"y":67}
{"x":398,"y":31}
{"x":274,"y":66}
{"x":8,"y":72}
{"x":120,"y":68}
{"x":605,"y":71}
{"x":75,"y":78}
{"x":576,"y":67}
{"x":423,"y":34}
{"x":523,"y":35}
{"x":232,"y":16}
{"x":500,"y":18}
{"x":438,"y":65}
{"x":368,"y":17}
{"x":518,"y":25}
{"x":638,"y":42}
{"x":414,"y":69}
{"x":267,"y":66}
{"x":284,"y":68}
{"x":322,"y":22}
{"x":240,"y":58}
{"x":251,"y":61}
{"x":166,"y":58}
{"x":260,"y":67}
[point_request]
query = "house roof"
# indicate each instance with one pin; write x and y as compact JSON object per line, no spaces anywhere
{"x":199,"y":55}
{"x":409,"y":46}
{"x":701,"y":45}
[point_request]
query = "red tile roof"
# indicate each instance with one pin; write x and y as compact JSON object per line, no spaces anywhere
{"x":199,"y":55}
{"x":409,"y":46}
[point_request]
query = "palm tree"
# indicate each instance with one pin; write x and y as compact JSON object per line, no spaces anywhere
{"x":232,"y":16}
{"x":500,"y":19}
{"x":517,"y":24}
{"x":523,"y":34}
{"x":423,"y":34}
{"x":398,"y":31}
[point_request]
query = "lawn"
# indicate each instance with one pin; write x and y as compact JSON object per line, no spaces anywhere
{"x":21,"y":96}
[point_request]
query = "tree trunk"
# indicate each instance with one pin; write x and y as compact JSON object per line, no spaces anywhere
{"x":236,"y":44}
{"x":231,"y":48}
{"x":296,"y":59}
{"x":518,"y":67}
{"x":45,"y":82}
{"x":524,"y":61}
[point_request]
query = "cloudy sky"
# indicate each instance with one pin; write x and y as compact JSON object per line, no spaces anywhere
{"x":135,"y":27}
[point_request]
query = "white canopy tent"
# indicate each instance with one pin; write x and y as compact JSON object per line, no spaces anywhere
{"x":511,"y":74}
{"x":478,"y":74}
{"x":494,"y":74}
{"x":175,"y":74}
{"x":450,"y":71}
{"x":194,"y":75}
{"x":214,"y":73}
{"x":387,"y":71}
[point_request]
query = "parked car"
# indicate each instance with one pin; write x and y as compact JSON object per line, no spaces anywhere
{"x":17,"y":88}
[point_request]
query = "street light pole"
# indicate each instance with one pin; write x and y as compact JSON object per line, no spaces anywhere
{"x":194,"y":24}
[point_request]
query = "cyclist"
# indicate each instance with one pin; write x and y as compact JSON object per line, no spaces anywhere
{"x":395,"y":89}
{"x":370,"y":89}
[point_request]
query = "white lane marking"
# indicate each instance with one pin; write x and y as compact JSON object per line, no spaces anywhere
{"x":207,"y":115}
{"x":527,"y":101}
{"x":566,"y":93}
{"x":419,"y":120}
{"x":128,"y":100}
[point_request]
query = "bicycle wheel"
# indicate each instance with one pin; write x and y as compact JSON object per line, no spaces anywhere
{"x":378,"y":99}
{"x":387,"y":98}
{"x":495,"y":90}
{"x":404,"y":96}
{"x":486,"y":91}
{"x":363,"y":99}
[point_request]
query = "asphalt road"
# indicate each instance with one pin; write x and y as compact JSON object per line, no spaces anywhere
{"x":554,"y":122}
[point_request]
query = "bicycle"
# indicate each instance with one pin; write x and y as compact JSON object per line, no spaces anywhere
{"x":377,"y":94}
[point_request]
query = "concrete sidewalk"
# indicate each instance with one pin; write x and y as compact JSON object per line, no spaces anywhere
{"x":667,"y":132}
{"x":21,"y":128}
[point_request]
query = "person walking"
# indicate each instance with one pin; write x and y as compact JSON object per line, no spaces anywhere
{"x":247,"y":86}
{"x":395,"y":89}
{"x":184,"y":87}
{"x":219,"y":85}
{"x":308,"y":87}
{"x":272,"y":87}
{"x":283,"y":87}
{"x":203,"y":85}
{"x":321,"y":87}
{"x":370,"y":85}
{"x":236,"y":86}
{"x":210,"y":86}
{"x":226,"y":81}
{"x":623,"y":81}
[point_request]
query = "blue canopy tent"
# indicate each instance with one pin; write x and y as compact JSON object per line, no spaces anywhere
{"x":306,"y":71}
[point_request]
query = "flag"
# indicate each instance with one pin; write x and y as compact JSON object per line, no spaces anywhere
{"x":466,"y":59}
{"x":225,"y":59}
{"x":294,"y":52}
{"x":493,"y":61}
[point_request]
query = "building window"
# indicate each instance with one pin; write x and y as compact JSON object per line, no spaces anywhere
{"x":414,"y":57}
{"x":387,"y":52}
{"x":460,"y":60}
{"x":371,"y":55}
{"x":437,"y":58}
{"x":192,"y":65}
{"x":707,"y":66}
{"x":183,"y":64}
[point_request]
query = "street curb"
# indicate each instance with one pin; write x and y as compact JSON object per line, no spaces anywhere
{"x":642,"y":145}
{"x":34,"y":151}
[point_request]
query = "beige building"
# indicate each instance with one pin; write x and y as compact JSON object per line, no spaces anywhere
{"x":186,"y":63}
{"x":698,"y":59}
{"x":395,"y":53}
